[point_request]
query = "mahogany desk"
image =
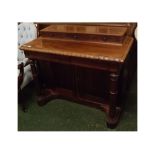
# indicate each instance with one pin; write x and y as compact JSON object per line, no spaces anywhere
{"x":83,"y":63}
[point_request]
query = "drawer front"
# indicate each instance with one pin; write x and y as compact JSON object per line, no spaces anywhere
{"x":84,"y":37}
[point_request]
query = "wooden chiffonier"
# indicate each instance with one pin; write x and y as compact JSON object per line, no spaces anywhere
{"x":90,"y":63}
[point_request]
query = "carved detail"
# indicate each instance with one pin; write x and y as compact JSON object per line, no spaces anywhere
{"x":44,"y":95}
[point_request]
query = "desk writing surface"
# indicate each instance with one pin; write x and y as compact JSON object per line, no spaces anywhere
{"x":80,"y":49}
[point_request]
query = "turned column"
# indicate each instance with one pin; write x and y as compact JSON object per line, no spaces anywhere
{"x":113,"y":92}
{"x":114,"y":111}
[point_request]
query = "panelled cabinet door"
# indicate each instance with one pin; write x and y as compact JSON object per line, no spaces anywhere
{"x":92,"y":84}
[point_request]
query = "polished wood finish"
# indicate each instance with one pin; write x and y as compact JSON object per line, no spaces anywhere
{"x":100,"y":29}
{"x":91,"y":50}
{"x":130,"y":26}
{"x":76,"y":62}
{"x":98,"y":33}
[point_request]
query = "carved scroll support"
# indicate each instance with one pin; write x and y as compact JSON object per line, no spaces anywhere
{"x":43,"y":94}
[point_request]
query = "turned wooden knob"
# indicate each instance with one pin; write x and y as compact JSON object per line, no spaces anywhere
{"x":104,"y":38}
{"x":75,"y":37}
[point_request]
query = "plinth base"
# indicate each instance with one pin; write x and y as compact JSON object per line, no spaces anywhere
{"x":45,"y":96}
{"x":113,"y":121}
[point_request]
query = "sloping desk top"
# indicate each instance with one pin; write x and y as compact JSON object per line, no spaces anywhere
{"x":89,"y":50}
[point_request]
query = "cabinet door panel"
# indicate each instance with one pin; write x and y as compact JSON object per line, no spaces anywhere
{"x":92,"y":82}
{"x":63,"y":76}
